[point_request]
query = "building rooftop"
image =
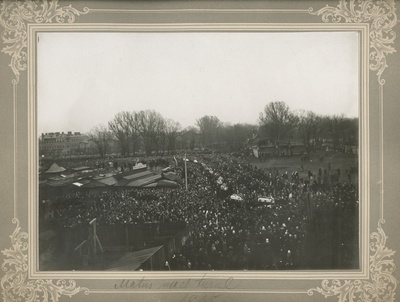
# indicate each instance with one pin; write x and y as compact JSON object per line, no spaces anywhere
{"x":61,"y":134}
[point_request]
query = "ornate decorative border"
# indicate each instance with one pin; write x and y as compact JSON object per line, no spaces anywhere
{"x":379,"y":14}
{"x":382,"y":285}
{"x":15,"y":285}
{"x":382,"y":17}
{"x":14,"y":18}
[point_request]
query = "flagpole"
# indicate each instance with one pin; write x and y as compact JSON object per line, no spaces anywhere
{"x":186,"y":174}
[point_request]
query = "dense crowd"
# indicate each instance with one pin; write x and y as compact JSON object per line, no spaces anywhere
{"x":226,"y":233}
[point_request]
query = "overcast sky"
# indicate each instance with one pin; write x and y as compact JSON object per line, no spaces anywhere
{"x":84,"y":79}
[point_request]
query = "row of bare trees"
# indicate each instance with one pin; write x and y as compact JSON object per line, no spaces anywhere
{"x":146,"y":128}
{"x":280,"y":123}
{"x":149,"y":131}
{"x":213,"y":132}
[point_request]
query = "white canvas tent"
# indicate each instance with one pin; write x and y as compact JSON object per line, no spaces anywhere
{"x":55,"y":169}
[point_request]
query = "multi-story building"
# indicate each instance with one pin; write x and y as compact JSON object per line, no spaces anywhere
{"x":60,"y":144}
{"x":68,"y":144}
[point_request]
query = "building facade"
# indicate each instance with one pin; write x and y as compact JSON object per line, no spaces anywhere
{"x":63,"y":144}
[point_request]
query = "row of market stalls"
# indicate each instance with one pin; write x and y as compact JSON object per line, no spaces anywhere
{"x":138,"y":248}
{"x":139,"y":177}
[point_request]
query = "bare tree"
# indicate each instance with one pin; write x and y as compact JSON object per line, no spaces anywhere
{"x":187,"y":137}
{"x":120,"y":130}
{"x":279,"y":120}
{"x":237,"y":135}
{"x":101,"y":137}
{"x":350,"y":131}
{"x":334,"y":127}
{"x":151,"y":126}
{"x":124,"y":127}
{"x":134,"y":135}
{"x":308,"y":127}
{"x":172,"y":129}
{"x":209,"y":129}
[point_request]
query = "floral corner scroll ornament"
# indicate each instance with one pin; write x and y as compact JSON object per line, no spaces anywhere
{"x":381,"y":14}
{"x":382,"y":284}
{"x":14,"y":17}
{"x":15,"y":285}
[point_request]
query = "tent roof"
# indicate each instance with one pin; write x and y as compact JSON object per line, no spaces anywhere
{"x":152,"y":185}
{"x":167,"y":183}
{"x":144,"y":181}
{"x":139,"y":167}
{"x":171,"y":176}
{"x":55,"y":169}
{"x":81,"y":168}
{"x":94,"y":183}
{"x":138,"y":175}
{"x":109,"y":181}
{"x":133,"y":260}
{"x":81,"y":183}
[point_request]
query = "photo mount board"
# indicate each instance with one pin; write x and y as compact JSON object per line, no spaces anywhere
{"x":375,"y":23}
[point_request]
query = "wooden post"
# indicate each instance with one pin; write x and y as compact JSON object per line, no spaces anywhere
{"x":93,"y":224}
{"x":186,"y":183}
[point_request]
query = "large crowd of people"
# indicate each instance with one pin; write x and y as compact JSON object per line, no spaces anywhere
{"x":240,"y":217}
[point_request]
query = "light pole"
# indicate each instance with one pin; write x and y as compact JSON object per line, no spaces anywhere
{"x":186,"y":183}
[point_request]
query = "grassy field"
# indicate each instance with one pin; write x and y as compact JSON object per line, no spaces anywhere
{"x":293,"y":163}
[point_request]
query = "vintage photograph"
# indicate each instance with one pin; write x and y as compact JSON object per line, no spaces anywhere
{"x":202,"y":151}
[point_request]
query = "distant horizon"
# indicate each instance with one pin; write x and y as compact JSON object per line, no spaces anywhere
{"x":182,"y":128}
{"x":84,"y":79}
